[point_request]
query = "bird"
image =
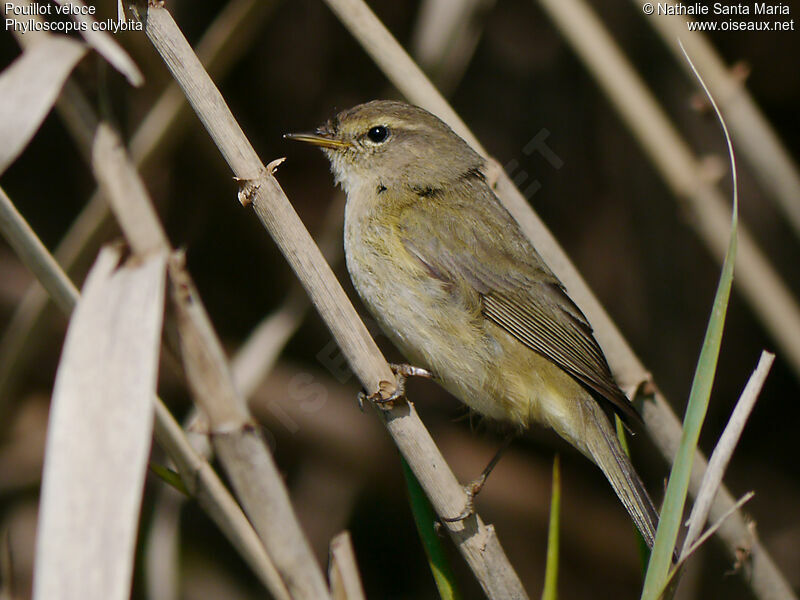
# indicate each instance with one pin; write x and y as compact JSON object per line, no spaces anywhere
{"x":461,"y":291}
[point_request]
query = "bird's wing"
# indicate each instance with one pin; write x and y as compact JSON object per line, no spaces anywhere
{"x":478,"y":243}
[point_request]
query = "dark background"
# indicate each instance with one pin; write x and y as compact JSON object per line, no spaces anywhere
{"x":629,"y":237}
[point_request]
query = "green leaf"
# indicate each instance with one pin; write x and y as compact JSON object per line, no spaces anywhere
{"x":426,"y":522}
{"x":678,"y":486}
{"x":169,"y":477}
{"x":550,"y":591}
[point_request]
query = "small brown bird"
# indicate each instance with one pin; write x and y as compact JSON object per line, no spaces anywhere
{"x":456,"y":285}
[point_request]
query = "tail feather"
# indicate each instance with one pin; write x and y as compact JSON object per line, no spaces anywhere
{"x":617,"y":467}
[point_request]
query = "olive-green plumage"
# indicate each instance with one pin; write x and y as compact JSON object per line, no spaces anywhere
{"x":460,"y":290}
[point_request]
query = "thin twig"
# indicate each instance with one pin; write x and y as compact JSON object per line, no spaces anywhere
{"x":670,"y":585}
{"x":723,"y":451}
{"x":33,"y":253}
{"x":712,"y":530}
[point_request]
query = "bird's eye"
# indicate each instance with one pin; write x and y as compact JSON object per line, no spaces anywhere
{"x":378,"y":134}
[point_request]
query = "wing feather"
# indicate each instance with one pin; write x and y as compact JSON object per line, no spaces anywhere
{"x":518,"y":291}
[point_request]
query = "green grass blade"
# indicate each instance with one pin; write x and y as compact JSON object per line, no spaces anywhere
{"x":169,"y":477}
{"x":672,"y":511}
{"x":426,"y":521}
{"x":550,"y":591}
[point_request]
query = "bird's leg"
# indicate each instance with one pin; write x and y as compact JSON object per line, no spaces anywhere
{"x":402,"y":371}
{"x":474,"y":487}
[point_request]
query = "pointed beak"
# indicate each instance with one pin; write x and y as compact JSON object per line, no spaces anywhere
{"x":317,"y":139}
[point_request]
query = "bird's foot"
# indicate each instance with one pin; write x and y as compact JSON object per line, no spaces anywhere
{"x":476,"y":485}
{"x":472,"y":489}
{"x":402,"y":372}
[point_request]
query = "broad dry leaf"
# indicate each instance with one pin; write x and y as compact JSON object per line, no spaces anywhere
{"x":29,"y":87}
{"x":99,"y":433}
{"x":105,"y":45}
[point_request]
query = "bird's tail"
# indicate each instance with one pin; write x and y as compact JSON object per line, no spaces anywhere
{"x":615,"y":464}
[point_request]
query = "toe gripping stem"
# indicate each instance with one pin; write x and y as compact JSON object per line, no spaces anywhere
{"x":402,"y":372}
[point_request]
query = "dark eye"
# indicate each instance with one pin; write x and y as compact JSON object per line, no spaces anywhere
{"x":378,"y":134}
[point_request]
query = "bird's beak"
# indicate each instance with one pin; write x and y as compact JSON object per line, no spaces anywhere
{"x":318,"y":139}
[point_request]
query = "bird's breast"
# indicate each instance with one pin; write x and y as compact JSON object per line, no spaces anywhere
{"x":434,"y":323}
{"x":437,"y":324}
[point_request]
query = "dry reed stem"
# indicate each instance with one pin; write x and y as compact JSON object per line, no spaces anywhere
{"x":723,"y":451}
{"x":343,"y":574}
{"x":238,"y":443}
{"x":446,"y":36}
{"x":662,"y":424}
{"x":756,"y":279}
{"x":203,"y":483}
{"x":477,"y":542}
{"x":258,"y":482}
{"x":223,"y":43}
{"x":32,"y":252}
{"x":198,"y":476}
{"x":161,"y":558}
